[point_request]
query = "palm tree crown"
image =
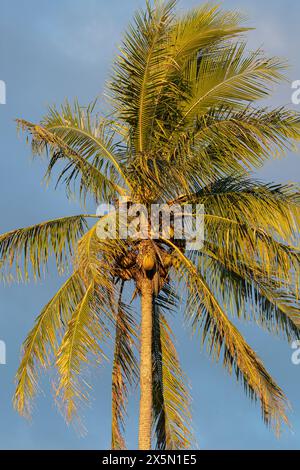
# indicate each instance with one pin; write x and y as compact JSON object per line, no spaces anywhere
{"x":184,"y":128}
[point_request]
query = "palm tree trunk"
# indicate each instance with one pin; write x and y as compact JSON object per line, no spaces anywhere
{"x":145,"y":420}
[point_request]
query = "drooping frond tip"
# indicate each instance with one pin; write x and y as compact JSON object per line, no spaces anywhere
{"x":42,"y":343}
{"x":124,"y":372}
{"x":222,"y":338}
{"x":171,"y":399}
{"x":27,"y":250}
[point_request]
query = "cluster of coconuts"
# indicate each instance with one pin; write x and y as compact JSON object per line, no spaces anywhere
{"x":152,"y":263}
{"x":149,"y":261}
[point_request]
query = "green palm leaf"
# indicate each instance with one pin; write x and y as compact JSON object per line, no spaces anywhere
{"x":232,"y":78}
{"x":249,"y":295}
{"x":92,"y":180}
{"x":140,"y":69}
{"x":171,"y":399}
{"x":124,"y":372}
{"x":42,"y":342}
{"x":82,"y":339}
{"x":34,"y":245}
{"x":205,"y":312}
{"x":88,"y":135}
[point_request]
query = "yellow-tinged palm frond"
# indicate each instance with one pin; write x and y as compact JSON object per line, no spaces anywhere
{"x":86,"y":330}
{"x":203,"y":28}
{"x":97,"y":259}
{"x":87,"y":256}
{"x":148,"y":85}
{"x":92,"y":180}
{"x":171,"y":399}
{"x":231,"y":77}
{"x":36,"y":244}
{"x":90,"y":136}
{"x":42,"y":342}
{"x":90,"y":325}
{"x":124,"y":372}
{"x":265,"y":132}
{"x":222,"y":337}
{"x":224,"y":141}
{"x":246,"y":293}
{"x":273,"y":209}
{"x":256,"y":248}
{"x":249,"y":254}
{"x":97,"y":262}
{"x":252,"y":221}
{"x":140,"y":70}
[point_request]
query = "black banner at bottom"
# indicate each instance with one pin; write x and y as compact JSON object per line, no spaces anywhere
{"x":136,"y":459}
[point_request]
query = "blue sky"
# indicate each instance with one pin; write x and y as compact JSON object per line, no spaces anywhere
{"x":52,"y":50}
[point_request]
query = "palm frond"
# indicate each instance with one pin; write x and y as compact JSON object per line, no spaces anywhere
{"x":90,"y":136}
{"x":97,"y":259}
{"x":221,"y":336}
{"x":225,"y":141}
{"x":203,"y":28}
{"x":42,"y":342}
{"x":86,"y":331}
{"x":91,"y":323}
{"x":140,"y":70}
{"x":36,"y":244}
{"x":268,"y":257}
{"x":265,"y":132}
{"x":272,"y":208}
{"x":92,"y":180}
{"x":253,"y":223}
{"x":171,"y":399}
{"x":124,"y":372}
{"x":233,"y":78}
{"x":250,"y":296}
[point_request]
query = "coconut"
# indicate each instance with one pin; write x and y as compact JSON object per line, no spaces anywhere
{"x":149,"y":262}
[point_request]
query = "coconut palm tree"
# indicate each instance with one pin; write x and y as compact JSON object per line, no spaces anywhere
{"x":184,"y":127}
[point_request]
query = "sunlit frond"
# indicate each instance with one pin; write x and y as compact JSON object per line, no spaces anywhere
{"x":42,"y":342}
{"x":223,"y":338}
{"x":253,"y":222}
{"x":225,"y":141}
{"x":245,"y":293}
{"x":203,"y":28}
{"x":85,"y":333}
{"x":90,"y":136}
{"x":27,"y":250}
{"x":91,"y":179}
{"x":124,"y":372}
{"x":268,"y":257}
{"x":244,"y":222}
{"x":254,"y":134}
{"x":140,"y":69}
{"x":97,"y":259}
{"x":232,"y":77}
{"x":171,"y":399}
{"x":271,"y":208}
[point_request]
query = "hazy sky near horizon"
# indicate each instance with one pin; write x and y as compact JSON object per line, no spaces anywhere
{"x":50,"y":50}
